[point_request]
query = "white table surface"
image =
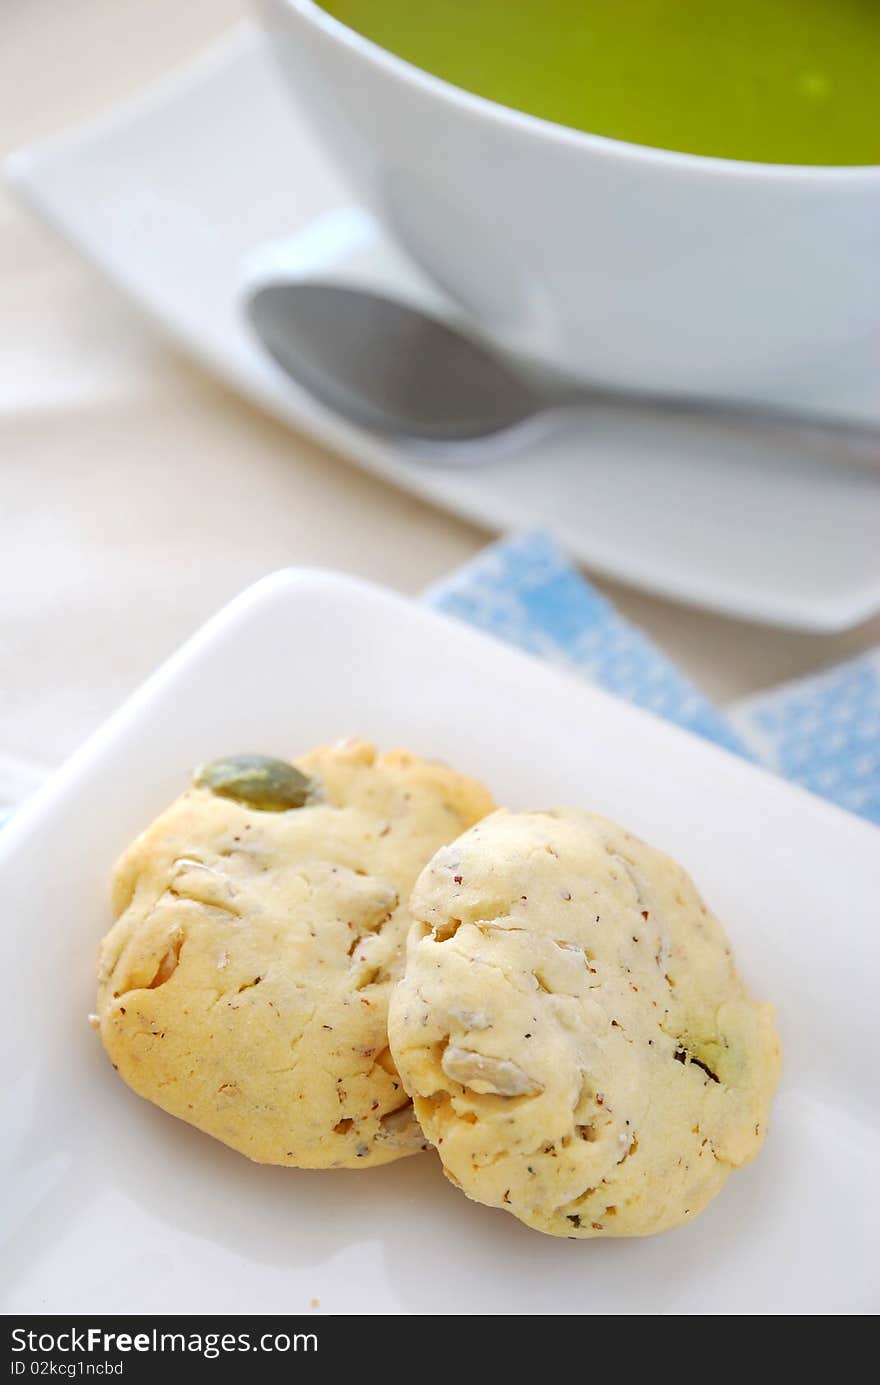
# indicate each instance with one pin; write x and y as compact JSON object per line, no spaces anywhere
{"x":136,"y":496}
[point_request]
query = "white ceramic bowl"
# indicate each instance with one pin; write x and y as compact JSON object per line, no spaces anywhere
{"x":632,"y":267}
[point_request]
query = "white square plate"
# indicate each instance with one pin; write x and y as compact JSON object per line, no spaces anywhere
{"x":112,"y":1206}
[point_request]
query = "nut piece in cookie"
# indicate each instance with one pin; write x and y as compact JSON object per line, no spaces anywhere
{"x":571,"y":1026}
{"x":261,"y":923}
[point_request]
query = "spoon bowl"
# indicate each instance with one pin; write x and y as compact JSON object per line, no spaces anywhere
{"x":388,"y":366}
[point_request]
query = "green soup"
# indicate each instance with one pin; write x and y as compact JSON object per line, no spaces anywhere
{"x":779,"y":81}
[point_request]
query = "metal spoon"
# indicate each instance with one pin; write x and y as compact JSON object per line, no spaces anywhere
{"x":387,"y":366}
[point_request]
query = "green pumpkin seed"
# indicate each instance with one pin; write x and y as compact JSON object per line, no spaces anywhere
{"x":273,"y":786}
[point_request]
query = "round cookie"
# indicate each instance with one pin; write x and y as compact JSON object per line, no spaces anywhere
{"x":571,"y":1026}
{"x":245,"y":984}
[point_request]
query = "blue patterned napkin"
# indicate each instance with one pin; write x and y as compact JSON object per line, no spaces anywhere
{"x":822,"y":732}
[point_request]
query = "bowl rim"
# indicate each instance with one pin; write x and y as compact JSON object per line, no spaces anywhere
{"x":482,"y":108}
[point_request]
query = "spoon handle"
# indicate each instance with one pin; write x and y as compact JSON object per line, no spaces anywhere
{"x":858,"y":441}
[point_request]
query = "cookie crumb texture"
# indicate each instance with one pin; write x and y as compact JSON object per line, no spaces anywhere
{"x":571,"y":1025}
{"x":245,"y":984}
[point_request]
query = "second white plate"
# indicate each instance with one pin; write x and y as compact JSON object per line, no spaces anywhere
{"x":173,"y":194}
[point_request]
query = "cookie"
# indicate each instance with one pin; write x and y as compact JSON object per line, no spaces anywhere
{"x":260,"y":927}
{"x":572,"y":1028}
